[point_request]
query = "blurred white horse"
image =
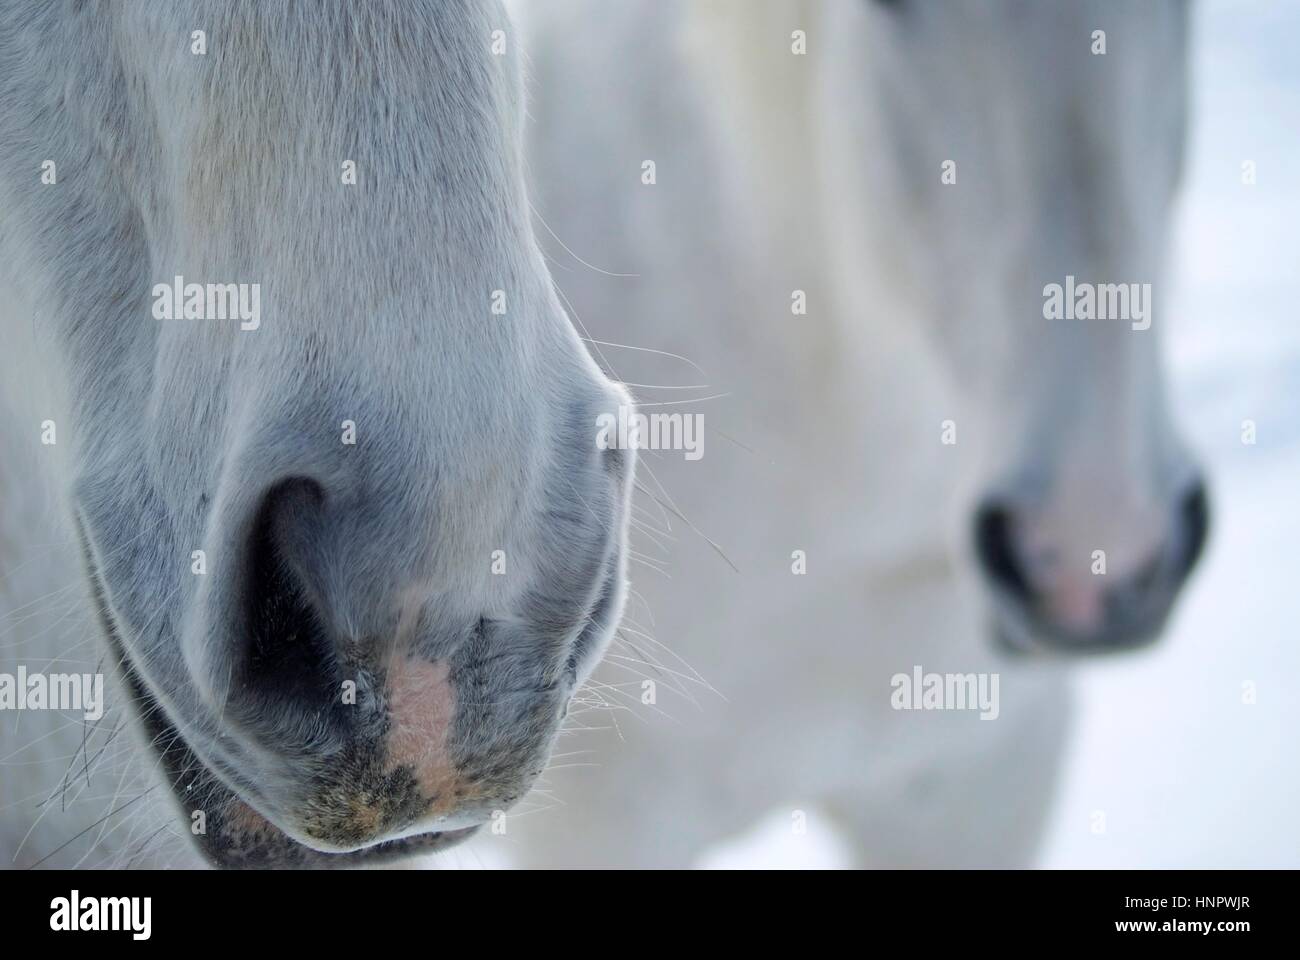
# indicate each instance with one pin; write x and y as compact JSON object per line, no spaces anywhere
{"x":917,"y":465}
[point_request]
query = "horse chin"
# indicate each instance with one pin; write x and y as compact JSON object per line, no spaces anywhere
{"x":227,"y":830}
{"x":1019,"y":632}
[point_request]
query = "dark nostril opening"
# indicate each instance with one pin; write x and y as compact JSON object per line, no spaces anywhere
{"x":1194,"y":526}
{"x":993,"y":547}
{"x":286,"y":641}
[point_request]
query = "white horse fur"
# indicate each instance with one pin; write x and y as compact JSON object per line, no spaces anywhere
{"x":821,"y":172}
{"x":354,"y":561}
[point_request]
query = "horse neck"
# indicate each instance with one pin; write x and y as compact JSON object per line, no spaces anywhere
{"x":768,"y":101}
{"x":761,"y":93}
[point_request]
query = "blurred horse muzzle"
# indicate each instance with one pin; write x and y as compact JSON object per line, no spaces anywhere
{"x":1050,"y":593}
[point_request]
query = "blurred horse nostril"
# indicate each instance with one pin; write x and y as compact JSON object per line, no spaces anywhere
{"x":286,"y":641}
{"x":1193,"y":526}
{"x":996,"y":552}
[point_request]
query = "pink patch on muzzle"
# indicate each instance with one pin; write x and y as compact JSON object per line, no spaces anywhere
{"x":422,"y":703}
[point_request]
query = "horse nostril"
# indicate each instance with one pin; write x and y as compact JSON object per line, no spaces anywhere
{"x":996,"y":553}
{"x":286,"y":642}
{"x":1193,"y":526}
